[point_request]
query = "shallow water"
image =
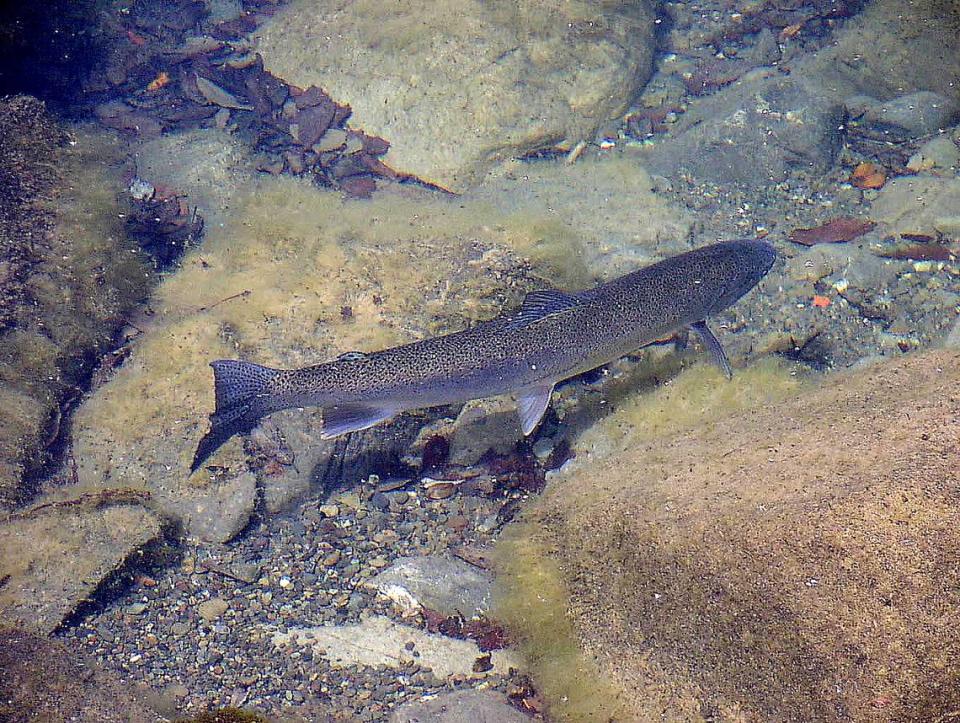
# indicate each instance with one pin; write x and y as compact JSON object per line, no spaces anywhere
{"x":285,"y":182}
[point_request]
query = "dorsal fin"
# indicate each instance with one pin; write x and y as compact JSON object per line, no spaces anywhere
{"x":352,"y":356}
{"x":540,"y":304}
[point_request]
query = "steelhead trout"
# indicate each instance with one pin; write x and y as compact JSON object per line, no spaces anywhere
{"x":552,"y":336}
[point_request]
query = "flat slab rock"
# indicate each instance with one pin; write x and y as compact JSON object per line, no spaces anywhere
{"x":380,"y":641}
{"x":53,"y":560}
{"x":476,"y":706}
{"x":438,"y":582}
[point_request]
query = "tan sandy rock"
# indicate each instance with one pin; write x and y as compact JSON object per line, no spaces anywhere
{"x":464,"y":84}
{"x":795,"y":561}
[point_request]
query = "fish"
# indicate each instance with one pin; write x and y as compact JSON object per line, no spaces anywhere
{"x":552,"y":336}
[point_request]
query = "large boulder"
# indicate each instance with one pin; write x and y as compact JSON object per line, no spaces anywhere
{"x":890,"y":49}
{"x":758,"y":131}
{"x":466,"y":83}
{"x":796,"y":561}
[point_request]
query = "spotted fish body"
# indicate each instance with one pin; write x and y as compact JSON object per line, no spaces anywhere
{"x":551,"y":337}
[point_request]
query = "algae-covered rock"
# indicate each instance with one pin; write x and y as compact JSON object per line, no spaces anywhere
{"x":462,"y":84}
{"x":610,"y":204}
{"x":52,"y":559}
{"x":45,"y":680}
{"x":791,"y":561}
{"x":295,"y":275}
{"x":218,"y":166}
{"x":68,"y":275}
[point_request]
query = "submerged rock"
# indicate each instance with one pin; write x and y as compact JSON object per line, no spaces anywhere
{"x":904,"y":118}
{"x":757,"y":131}
{"x":613,"y":205}
{"x":922,"y":205}
{"x":776,"y":563}
{"x":443,"y":584}
{"x":380,"y":641}
{"x":44,"y":680}
{"x":68,"y":275}
{"x":52,"y":560}
{"x":295,"y":275}
{"x":889,"y":49}
{"x":480,"y":706}
{"x":467,"y":83}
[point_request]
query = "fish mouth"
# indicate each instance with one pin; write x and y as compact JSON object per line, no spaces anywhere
{"x":759,"y":256}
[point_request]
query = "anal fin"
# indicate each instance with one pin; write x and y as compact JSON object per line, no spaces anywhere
{"x":345,"y":418}
{"x":713,"y":344}
{"x":532,"y":402}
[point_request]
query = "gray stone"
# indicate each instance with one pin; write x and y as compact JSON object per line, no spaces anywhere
{"x":906,"y":117}
{"x":919,"y":205}
{"x":222,"y":511}
{"x":889,"y":49}
{"x":137,"y":608}
{"x":756,"y":131}
{"x":54,"y":559}
{"x":476,"y":706}
{"x":468,"y":83}
{"x":939,"y":156}
{"x":445,"y":584}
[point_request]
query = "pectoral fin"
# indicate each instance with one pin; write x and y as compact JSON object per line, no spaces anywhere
{"x":344,"y":418}
{"x":532,"y":402}
{"x":711,"y":342}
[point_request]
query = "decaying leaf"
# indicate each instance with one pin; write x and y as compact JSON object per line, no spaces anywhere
{"x":921,"y":252}
{"x":218,"y":96}
{"x":868,"y":175}
{"x":839,"y":230}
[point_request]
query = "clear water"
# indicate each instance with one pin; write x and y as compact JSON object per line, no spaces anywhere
{"x":288,"y":182}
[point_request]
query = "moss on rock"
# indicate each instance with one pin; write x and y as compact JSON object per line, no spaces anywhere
{"x":298,"y":275}
{"x":67,"y":276}
{"x":793,"y":561}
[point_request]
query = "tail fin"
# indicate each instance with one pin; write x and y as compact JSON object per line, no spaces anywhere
{"x":242,"y":393}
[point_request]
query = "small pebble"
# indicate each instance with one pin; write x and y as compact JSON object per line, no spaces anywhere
{"x":213,"y":608}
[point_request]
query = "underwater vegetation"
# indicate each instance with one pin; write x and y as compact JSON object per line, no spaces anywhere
{"x":70,"y":275}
